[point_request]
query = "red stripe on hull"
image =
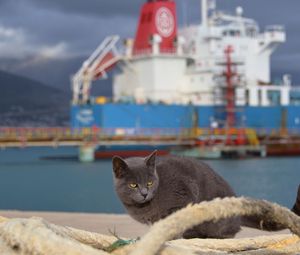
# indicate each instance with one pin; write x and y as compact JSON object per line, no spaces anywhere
{"x":126,"y":154}
{"x":288,"y":149}
{"x":283,"y":152}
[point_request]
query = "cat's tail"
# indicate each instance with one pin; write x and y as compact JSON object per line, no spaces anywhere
{"x":257,"y":222}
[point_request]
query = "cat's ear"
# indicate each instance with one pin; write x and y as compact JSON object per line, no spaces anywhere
{"x":150,"y":160}
{"x":119,"y":166}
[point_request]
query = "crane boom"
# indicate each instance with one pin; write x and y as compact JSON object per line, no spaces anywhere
{"x":101,"y":60}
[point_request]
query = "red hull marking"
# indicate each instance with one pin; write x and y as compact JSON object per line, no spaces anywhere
{"x":156,"y":17}
{"x":126,"y":154}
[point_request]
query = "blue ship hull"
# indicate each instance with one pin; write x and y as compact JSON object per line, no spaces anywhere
{"x":173,"y":118}
{"x":150,"y":120}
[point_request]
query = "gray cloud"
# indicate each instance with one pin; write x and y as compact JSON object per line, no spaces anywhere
{"x":71,"y":28}
{"x":34,"y":31}
{"x":92,"y":7}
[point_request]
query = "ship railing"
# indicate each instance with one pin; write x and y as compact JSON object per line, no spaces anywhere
{"x":275,"y":28}
{"x":139,"y":133}
{"x":279,"y":132}
{"x":65,"y":133}
{"x":227,"y":136}
{"x":246,"y":136}
{"x":95,"y":134}
{"x":271,"y":131}
{"x":35,"y":133}
{"x":236,"y":59}
{"x":275,"y":32}
{"x":222,"y":18}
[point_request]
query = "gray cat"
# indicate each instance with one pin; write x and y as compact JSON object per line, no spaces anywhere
{"x":152,"y":188}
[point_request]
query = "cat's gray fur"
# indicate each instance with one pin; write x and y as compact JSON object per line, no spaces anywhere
{"x":177,"y":182}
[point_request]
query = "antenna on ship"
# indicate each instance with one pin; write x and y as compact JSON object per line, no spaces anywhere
{"x":206,"y":5}
{"x":204,"y":12}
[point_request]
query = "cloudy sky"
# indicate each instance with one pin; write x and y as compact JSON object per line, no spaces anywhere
{"x":34,"y":34}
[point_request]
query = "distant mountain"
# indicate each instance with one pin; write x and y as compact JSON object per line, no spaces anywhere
{"x":25,"y":102}
{"x":55,"y":73}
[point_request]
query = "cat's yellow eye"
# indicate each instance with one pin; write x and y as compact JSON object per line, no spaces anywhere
{"x":133,"y":185}
{"x":149,"y":183}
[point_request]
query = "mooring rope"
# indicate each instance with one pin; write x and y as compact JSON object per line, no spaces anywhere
{"x":2,"y":219}
{"x":36,"y":236}
{"x":193,"y":215}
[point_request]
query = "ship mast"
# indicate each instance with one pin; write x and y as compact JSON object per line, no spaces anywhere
{"x":204,"y":12}
{"x":206,"y":6}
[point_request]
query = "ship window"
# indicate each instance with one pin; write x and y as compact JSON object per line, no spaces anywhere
{"x":232,"y":33}
{"x":247,"y":97}
{"x":190,"y":62}
{"x":251,"y":32}
{"x":259,"y":97}
{"x":274,"y":97}
{"x":235,"y":33}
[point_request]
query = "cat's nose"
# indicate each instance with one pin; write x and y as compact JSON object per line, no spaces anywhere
{"x":144,"y":192}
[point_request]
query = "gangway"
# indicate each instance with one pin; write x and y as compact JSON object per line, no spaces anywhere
{"x":95,"y":67}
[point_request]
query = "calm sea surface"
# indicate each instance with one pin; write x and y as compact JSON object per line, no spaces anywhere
{"x":49,"y":179}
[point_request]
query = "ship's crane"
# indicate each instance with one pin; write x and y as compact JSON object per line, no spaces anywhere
{"x":95,"y":67}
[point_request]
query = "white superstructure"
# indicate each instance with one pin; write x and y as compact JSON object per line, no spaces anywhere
{"x":189,"y":73}
{"x":163,"y":65}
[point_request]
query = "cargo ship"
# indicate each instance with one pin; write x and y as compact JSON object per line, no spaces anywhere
{"x":215,"y":74}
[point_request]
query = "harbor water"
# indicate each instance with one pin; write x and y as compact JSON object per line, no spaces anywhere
{"x":52,"y":179}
